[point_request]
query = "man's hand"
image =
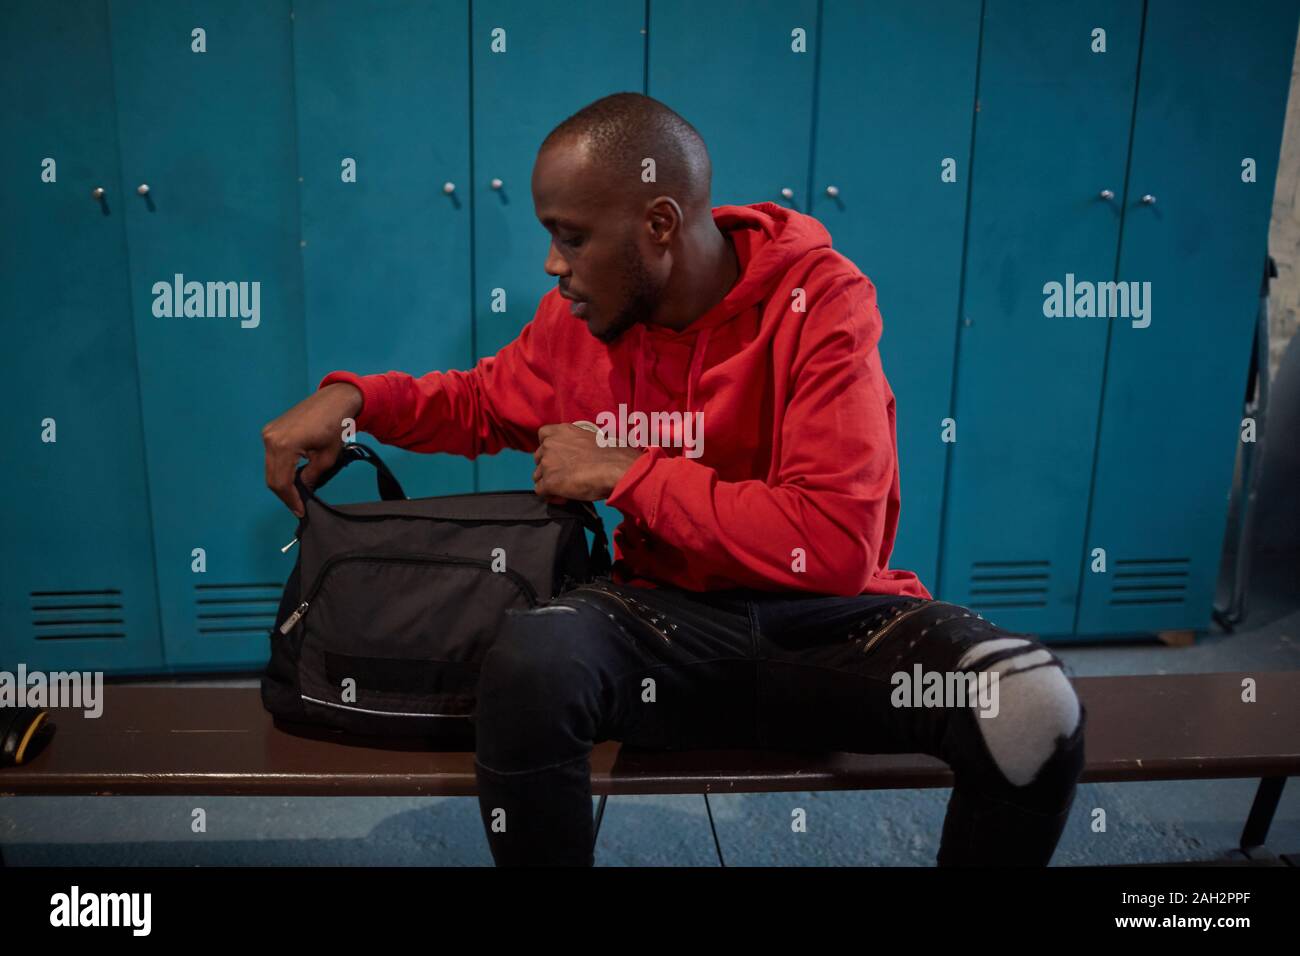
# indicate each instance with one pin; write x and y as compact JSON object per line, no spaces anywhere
{"x":571,"y":464}
{"x":312,"y":429}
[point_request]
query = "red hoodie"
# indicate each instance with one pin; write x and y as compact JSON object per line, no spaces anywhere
{"x":792,"y":482}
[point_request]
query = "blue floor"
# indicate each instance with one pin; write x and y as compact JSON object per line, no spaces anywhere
{"x":1146,"y":822}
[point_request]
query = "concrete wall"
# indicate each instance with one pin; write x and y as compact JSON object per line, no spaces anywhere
{"x":1284,"y":232}
{"x":1277,"y":519}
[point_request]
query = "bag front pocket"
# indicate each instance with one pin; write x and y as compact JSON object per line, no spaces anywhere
{"x":402,"y":635}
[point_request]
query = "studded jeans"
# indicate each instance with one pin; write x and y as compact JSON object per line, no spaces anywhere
{"x":675,"y":670}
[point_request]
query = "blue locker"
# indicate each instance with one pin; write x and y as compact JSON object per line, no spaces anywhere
{"x":386,"y":258}
{"x":1051,"y":135}
{"x":558,"y":58}
{"x":76,"y":568}
{"x":734,"y":75}
{"x":894,"y":117}
{"x":1172,"y":406}
{"x":212,"y":135}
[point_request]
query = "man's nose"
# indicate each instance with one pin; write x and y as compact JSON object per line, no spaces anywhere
{"x":555,"y":265}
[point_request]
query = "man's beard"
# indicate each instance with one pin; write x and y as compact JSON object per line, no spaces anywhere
{"x":642,"y":295}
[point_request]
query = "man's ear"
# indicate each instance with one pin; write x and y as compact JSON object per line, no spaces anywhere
{"x":665,"y":217}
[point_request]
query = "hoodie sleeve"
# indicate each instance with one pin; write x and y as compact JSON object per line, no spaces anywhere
{"x":819,"y":526}
{"x":500,"y":403}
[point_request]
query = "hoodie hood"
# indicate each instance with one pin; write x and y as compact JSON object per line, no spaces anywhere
{"x":768,"y":240}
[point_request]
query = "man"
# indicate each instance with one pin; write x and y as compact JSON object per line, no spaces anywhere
{"x":751,"y":604}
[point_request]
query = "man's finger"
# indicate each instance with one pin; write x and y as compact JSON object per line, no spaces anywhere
{"x":318,"y":463}
{"x":280,"y":465}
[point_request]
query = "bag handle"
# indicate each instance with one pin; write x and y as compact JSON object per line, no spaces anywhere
{"x":389,"y":488}
{"x":600,"y":561}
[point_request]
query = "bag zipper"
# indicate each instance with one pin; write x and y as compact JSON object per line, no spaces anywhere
{"x":522,"y":583}
{"x":544,"y":519}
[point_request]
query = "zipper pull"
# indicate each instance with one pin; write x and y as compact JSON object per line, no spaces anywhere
{"x":293,"y":618}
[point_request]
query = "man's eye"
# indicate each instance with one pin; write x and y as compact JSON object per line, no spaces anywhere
{"x":572,"y":243}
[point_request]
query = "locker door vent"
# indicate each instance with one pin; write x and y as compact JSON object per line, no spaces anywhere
{"x":1149,"y":581}
{"x":236,"y":608}
{"x":93,"y":613}
{"x":1009,"y":584}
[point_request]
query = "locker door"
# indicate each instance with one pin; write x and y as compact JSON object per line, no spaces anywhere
{"x":76,"y":572}
{"x":386,"y":258}
{"x":1212,"y":94}
{"x":733,"y":74}
{"x":1051,"y":133}
{"x":886,"y":123}
{"x":558,"y":58}
{"x":212,"y":135}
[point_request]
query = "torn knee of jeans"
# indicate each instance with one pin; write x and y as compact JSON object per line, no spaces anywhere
{"x":1034,"y":709}
{"x":974,"y":657}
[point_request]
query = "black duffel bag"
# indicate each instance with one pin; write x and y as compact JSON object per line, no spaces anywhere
{"x":393,"y":604}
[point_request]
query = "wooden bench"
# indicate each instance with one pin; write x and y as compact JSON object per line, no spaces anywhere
{"x":220,"y":741}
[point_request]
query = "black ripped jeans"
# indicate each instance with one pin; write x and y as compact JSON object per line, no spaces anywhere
{"x":677,"y":670}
